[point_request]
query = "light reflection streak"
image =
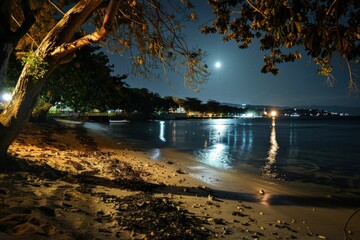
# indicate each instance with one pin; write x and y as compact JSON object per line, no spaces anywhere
{"x":243,"y":140}
{"x":219,"y":130}
{"x":216,"y":156}
{"x":264,"y":200}
{"x":162,"y":131}
{"x":155,"y":154}
{"x":174,"y":133}
{"x":293,"y":149}
{"x":215,"y":152}
{"x":267,"y":170}
{"x":250,"y":139}
{"x":246,"y":143}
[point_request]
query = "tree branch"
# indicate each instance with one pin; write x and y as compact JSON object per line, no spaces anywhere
{"x":28,"y":21}
{"x":27,"y":34}
{"x":328,"y":11}
{"x":56,"y":7}
{"x":352,"y":83}
{"x":255,"y":8}
{"x":106,"y":28}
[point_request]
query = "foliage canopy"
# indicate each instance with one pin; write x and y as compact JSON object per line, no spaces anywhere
{"x":284,"y":28}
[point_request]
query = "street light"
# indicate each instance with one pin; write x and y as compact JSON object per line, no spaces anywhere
{"x":273,"y":116}
{"x":6,"y":97}
{"x":273,"y":113}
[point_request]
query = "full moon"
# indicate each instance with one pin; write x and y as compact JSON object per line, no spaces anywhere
{"x":218,"y":64}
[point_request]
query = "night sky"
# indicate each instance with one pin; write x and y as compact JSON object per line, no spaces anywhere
{"x":239,"y":79}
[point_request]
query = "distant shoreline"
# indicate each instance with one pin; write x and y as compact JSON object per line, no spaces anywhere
{"x":106,"y":119}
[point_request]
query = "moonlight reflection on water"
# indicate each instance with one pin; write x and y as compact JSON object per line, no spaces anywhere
{"x":320,"y":151}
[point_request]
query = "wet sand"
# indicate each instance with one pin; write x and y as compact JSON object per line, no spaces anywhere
{"x":64,"y":182}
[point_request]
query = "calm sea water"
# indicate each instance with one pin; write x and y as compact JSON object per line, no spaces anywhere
{"x":322,"y":151}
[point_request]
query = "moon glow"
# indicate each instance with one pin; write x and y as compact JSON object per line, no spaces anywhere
{"x":218,"y":65}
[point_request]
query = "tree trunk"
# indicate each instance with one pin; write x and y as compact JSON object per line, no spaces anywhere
{"x":18,"y":112}
{"x":40,"y":112}
{"x":5,"y":51}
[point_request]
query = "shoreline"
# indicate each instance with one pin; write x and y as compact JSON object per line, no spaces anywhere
{"x":63,"y":166}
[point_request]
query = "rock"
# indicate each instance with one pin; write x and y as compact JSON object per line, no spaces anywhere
{"x":235,"y":213}
{"x":66,"y":204}
{"x":48,"y":211}
{"x":180,"y":171}
{"x":321,"y":237}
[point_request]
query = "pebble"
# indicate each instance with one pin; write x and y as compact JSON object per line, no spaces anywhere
{"x":321,"y":237}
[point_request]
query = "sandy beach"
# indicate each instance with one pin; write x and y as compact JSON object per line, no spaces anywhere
{"x":64,"y":182}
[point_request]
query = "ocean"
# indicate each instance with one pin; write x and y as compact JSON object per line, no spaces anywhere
{"x":322,"y":151}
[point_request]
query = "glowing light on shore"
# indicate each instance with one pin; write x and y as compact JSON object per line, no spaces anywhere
{"x":273,"y":113}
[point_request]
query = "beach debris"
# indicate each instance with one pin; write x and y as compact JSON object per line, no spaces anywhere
{"x":218,"y":221}
{"x":67,"y":205}
{"x":261,"y":192}
{"x":159,"y":219}
{"x":181,"y":180}
{"x":211,"y":198}
{"x":212,"y":204}
{"x":321,"y":236}
{"x":196,"y":205}
{"x":226,"y":231}
{"x":236,"y":213}
{"x":169,"y":162}
{"x":180,"y":171}
{"x":204,"y":187}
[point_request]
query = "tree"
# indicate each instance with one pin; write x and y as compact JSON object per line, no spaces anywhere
{"x":140,"y":100}
{"x":168,"y":103}
{"x":321,"y":27}
{"x":147,"y":28}
{"x":213,"y":106}
{"x":84,"y":84}
{"x":192,"y":104}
